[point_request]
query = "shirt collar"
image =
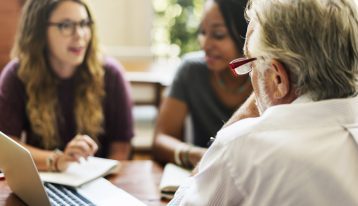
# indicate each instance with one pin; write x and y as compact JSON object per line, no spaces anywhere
{"x":305,"y":98}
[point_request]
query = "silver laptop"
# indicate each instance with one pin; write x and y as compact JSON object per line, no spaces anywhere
{"x":23,"y":179}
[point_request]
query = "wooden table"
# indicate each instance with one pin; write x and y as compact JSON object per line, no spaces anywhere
{"x":140,"y":178}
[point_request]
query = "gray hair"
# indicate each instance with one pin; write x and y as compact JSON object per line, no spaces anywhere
{"x":317,"y":41}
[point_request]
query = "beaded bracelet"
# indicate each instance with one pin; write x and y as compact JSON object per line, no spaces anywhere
{"x":49,"y":163}
{"x":52,"y":161}
{"x":186,"y":160}
{"x":177,"y":159}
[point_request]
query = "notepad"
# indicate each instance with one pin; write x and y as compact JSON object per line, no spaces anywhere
{"x":78,"y":174}
{"x":173,"y":177}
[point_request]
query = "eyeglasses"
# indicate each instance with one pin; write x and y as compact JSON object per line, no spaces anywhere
{"x":68,"y":28}
{"x":241,"y":66}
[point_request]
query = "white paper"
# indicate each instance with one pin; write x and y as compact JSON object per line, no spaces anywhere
{"x":78,"y":174}
{"x":173,"y":177}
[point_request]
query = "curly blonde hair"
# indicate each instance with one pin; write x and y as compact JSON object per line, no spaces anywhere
{"x":41,"y":83}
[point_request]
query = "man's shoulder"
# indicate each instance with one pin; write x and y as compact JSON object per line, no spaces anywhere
{"x":293,"y":119}
{"x":237,"y":130}
{"x":229,"y":136}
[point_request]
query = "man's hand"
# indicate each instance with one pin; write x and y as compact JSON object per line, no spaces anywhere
{"x":247,"y":110}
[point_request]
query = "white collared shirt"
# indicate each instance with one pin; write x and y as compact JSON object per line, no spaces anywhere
{"x":305,"y":153}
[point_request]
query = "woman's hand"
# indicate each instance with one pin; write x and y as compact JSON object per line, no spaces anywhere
{"x":81,"y":146}
{"x":190,"y":156}
{"x":195,"y":155}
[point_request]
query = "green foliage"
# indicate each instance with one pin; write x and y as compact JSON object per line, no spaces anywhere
{"x":180,"y":20}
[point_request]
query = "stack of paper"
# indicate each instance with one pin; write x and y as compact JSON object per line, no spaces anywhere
{"x":78,"y":174}
{"x":173,"y":177}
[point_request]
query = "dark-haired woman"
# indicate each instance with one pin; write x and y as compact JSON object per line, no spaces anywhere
{"x":204,"y":88}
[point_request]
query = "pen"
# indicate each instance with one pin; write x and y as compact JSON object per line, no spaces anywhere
{"x":211,"y":141}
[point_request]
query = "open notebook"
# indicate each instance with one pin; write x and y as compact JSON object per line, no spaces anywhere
{"x":173,"y":177}
{"x":78,"y":174}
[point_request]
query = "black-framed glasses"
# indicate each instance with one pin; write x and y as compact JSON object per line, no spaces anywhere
{"x":241,"y":66}
{"x":68,"y":28}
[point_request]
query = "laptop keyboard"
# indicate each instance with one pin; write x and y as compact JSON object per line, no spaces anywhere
{"x":60,"y":195}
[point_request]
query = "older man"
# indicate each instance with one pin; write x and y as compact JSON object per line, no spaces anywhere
{"x":303,"y":148}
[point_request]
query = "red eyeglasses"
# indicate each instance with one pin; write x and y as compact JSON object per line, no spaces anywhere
{"x":241,"y":66}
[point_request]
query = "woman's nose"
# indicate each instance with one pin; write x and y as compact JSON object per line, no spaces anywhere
{"x":205,"y":43}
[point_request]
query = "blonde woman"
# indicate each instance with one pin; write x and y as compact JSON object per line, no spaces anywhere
{"x":59,"y":93}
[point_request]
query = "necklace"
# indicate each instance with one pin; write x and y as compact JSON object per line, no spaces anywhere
{"x":236,"y":90}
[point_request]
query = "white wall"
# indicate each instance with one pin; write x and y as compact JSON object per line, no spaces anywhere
{"x":125,"y":28}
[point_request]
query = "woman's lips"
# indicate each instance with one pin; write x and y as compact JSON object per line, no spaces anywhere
{"x":211,"y":59}
{"x":76,"y":50}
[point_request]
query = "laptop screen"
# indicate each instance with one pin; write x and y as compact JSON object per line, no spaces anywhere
{"x":20,"y":172}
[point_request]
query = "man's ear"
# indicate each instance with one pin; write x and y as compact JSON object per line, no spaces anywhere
{"x":280,"y":80}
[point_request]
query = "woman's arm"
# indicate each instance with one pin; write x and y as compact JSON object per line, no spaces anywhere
{"x":81,"y":146}
{"x":168,"y":137}
{"x":118,"y":112}
{"x":40,"y":156}
{"x":120,"y":150}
